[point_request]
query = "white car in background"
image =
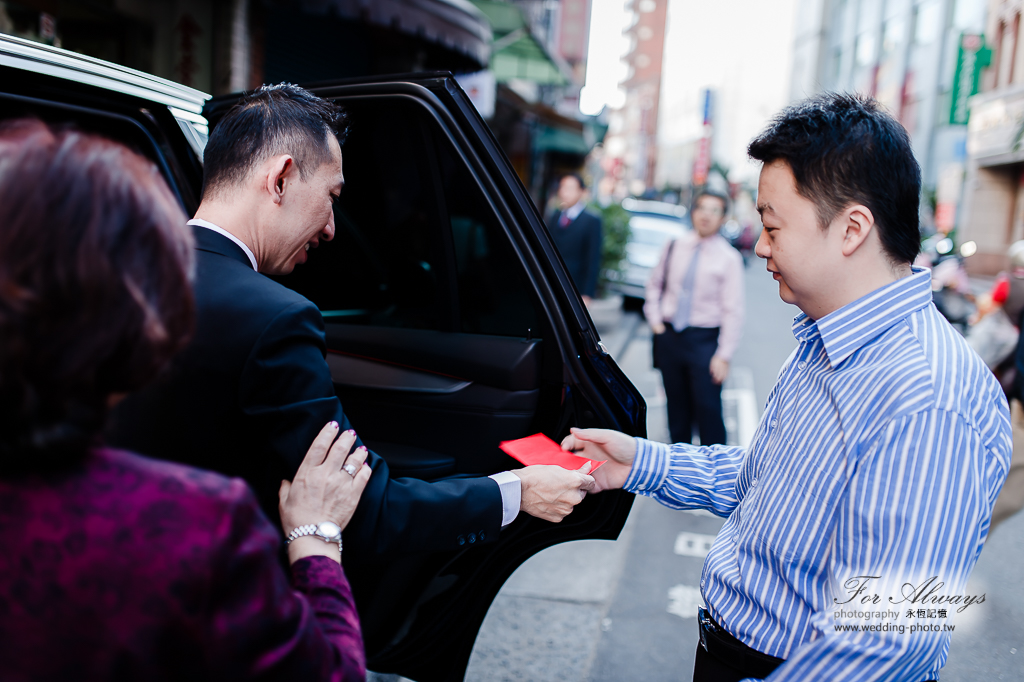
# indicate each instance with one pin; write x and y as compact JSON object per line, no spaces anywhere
{"x":652,"y":225}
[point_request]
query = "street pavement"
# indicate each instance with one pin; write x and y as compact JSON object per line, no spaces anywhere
{"x":601,"y":611}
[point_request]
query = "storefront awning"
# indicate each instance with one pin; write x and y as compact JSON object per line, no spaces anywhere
{"x":561,"y":140}
{"x":455,"y":24}
{"x":515,"y":52}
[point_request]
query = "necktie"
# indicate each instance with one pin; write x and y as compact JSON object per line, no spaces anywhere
{"x":681,"y":320}
{"x":564,"y":220}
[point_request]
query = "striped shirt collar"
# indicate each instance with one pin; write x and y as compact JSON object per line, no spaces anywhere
{"x":843,"y":332}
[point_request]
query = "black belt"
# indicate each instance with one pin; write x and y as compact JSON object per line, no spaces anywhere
{"x":731,"y":651}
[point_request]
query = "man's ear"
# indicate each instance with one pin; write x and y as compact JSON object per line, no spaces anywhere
{"x":279,"y":172}
{"x":857,"y":224}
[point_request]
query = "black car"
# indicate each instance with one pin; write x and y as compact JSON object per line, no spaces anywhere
{"x":448,"y":312}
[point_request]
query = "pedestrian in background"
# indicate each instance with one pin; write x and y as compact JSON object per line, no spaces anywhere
{"x":577,"y":234}
{"x":695,"y":308}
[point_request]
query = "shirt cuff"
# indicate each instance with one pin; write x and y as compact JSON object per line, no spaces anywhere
{"x":511,"y":488}
{"x":650,"y":467}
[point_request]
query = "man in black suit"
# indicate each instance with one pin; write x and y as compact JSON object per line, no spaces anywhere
{"x":577,"y":234}
{"x":253,"y":389}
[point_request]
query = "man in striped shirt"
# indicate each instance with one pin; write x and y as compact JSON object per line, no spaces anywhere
{"x":861,"y":505}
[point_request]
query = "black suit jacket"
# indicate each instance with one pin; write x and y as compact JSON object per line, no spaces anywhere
{"x":579,"y":242}
{"x":252,"y":391}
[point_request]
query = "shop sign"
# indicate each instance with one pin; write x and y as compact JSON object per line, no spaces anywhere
{"x":972,"y":57}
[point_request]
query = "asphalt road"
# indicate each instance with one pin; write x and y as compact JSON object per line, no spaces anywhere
{"x":599,"y":611}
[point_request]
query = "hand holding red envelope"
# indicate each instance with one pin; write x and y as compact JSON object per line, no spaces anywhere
{"x":539,"y":449}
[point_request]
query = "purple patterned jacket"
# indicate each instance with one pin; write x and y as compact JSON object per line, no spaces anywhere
{"x":137,"y":569}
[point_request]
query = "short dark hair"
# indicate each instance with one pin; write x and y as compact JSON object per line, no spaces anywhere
{"x":271,"y":120}
{"x":576,"y":176}
{"x":844,"y":149}
{"x":714,"y":195}
{"x":95,"y":295}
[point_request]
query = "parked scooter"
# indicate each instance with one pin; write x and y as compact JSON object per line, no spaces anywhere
{"x":951,"y":287}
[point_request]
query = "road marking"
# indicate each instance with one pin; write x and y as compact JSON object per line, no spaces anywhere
{"x":739,"y":407}
{"x":694,"y":544}
{"x":683,"y":601}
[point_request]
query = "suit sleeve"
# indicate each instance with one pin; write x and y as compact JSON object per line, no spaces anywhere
{"x":592,"y":256}
{"x":287,"y":396}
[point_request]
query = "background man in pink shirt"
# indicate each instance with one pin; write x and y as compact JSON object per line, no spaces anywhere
{"x":695,"y":309}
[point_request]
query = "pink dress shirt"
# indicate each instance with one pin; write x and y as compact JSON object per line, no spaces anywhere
{"x":717,"y":289}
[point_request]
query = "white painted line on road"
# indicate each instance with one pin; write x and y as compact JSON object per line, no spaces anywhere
{"x":694,"y":544}
{"x":683,"y":601}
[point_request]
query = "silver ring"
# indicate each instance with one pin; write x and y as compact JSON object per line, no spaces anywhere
{"x":350,"y":469}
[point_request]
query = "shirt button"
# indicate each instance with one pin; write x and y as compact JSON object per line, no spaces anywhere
{"x":481,"y":536}
{"x":462,"y":540}
{"x":774,"y":423}
{"x":753,"y":483}
{"x":801,"y":364}
{"x":702,"y":582}
{"x":472,"y":538}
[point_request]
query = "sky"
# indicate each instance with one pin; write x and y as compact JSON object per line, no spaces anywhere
{"x":605,"y":68}
{"x":739,"y":48}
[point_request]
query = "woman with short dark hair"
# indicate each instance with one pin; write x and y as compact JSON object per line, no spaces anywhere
{"x":115,"y":566}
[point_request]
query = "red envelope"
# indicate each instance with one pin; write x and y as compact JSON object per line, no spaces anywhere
{"x":539,"y":449}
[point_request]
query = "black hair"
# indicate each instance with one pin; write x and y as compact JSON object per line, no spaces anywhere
{"x":273,"y":119}
{"x":577,"y":176}
{"x":844,"y":149}
{"x":715,"y":195}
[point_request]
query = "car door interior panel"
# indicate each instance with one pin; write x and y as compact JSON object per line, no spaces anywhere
{"x":467,"y":392}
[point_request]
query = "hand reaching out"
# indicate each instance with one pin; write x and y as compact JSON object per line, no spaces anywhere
{"x":604,"y":444}
{"x":550,"y":492}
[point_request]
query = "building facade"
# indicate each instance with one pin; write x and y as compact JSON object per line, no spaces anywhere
{"x":905,"y":54}
{"x":222,"y":46}
{"x":527,"y":57}
{"x":633,"y":129}
{"x":994,"y":197}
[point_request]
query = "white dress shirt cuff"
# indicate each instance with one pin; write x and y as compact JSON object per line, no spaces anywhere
{"x":511,"y":495}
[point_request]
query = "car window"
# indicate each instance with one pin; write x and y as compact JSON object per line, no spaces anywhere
{"x":417,"y":244}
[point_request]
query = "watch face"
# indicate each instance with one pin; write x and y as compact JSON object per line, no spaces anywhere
{"x":329,"y":530}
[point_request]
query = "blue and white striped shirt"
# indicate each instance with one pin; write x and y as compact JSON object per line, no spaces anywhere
{"x":881,"y":451}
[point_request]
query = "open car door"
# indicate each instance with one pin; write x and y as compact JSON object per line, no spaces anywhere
{"x":452,"y":325}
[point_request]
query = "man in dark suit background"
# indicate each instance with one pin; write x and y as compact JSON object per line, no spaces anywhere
{"x":253,"y":389}
{"x":577,"y":234}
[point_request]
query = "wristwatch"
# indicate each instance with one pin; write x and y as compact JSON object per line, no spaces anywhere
{"x":327,"y":531}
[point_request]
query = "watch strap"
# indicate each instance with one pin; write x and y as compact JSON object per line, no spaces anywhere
{"x":309,"y":529}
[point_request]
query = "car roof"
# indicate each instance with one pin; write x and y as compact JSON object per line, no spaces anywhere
{"x":184,"y":102}
{"x":662,"y":208}
{"x":659,"y":223}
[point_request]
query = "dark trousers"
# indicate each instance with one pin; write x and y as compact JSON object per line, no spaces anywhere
{"x":684,"y":359}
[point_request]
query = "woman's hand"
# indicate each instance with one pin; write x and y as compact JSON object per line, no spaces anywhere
{"x":323,"y":491}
